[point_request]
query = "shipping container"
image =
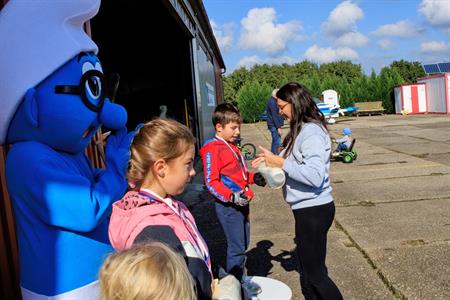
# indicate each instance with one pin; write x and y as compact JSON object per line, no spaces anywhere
{"x":411,"y":98}
{"x":438,"y":92}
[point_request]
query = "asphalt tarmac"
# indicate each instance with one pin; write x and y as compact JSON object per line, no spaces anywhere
{"x":391,"y":234}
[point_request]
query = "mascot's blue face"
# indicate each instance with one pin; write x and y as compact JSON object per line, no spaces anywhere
{"x":66,"y":109}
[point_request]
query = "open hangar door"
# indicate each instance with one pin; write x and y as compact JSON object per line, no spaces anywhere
{"x":151,"y":51}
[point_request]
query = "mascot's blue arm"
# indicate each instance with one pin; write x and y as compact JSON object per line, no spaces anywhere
{"x":61,"y":188}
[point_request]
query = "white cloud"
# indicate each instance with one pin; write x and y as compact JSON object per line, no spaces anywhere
{"x":401,"y":29}
{"x":250,"y":61}
{"x":224,"y":35}
{"x":352,"y":39}
{"x":342,"y":19}
{"x":281,"y":60}
{"x":326,"y":55}
{"x":437,"y":12}
{"x":435,"y":47}
{"x":385,"y":43}
{"x":259,"y":31}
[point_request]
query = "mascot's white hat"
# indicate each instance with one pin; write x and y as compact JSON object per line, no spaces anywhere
{"x":36,"y":38}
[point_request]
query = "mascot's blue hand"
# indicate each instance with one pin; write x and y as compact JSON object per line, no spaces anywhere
{"x":118,"y":149}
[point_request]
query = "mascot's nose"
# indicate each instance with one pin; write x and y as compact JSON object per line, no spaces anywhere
{"x":113,"y":116}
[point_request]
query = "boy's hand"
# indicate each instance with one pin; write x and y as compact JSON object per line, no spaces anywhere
{"x":259,"y":179}
{"x":239,"y":198}
{"x":249,"y":193}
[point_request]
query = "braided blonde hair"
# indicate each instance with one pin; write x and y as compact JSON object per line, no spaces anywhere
{"x":158,"y":139}
{"x":150,"y":271}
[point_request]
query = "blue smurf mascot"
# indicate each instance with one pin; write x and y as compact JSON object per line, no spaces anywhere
{"x":52,"y":92}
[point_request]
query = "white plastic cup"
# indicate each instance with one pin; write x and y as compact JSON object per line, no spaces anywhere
{"x":275,"y":177}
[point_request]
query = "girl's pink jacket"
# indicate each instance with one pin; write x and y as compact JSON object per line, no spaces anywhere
{"x":134,"y":212}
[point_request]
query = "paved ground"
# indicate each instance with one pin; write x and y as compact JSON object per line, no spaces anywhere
{"x":391,"y":235}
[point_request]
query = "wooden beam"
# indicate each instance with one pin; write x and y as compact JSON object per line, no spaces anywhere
{"x":9,"y":260}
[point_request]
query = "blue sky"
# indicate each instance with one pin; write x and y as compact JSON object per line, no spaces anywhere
{"x":372,"y":33}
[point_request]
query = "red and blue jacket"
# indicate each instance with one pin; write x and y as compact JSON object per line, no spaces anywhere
{"x":225,"y":172}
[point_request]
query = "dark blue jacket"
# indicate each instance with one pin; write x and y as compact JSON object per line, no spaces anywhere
{"x":274,"y":119}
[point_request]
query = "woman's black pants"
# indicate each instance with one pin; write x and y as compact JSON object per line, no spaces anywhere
{"x":311,"y":228}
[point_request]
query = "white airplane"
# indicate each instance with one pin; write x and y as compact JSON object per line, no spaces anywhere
{"x":331,"y":112}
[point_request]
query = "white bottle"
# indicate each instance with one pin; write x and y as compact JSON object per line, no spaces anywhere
{"x":275,"y":177}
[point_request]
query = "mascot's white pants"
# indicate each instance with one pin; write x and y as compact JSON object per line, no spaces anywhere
{"x":87,"y":292}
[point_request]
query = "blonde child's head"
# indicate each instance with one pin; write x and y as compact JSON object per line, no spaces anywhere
{"x":156,"y":147}
{"x":150,"y":271}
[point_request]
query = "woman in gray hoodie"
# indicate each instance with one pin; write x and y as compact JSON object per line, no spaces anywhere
{"x":305,"y":159}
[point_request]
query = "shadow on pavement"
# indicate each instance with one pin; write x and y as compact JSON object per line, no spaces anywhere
{"x":259,"y":259}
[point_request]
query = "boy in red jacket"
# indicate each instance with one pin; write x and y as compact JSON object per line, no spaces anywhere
{"x":227,"y":179}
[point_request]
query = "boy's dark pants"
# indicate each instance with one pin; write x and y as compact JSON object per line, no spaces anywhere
{"x":234,"y":220}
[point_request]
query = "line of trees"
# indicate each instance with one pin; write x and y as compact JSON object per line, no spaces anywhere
{"x":250,"y":89}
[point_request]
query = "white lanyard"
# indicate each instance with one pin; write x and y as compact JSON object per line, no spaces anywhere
{"x":200,"y":244}
{"x":239,"y":158}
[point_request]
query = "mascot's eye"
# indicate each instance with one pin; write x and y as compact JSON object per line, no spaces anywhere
{"x":93,"y":87}
{"x":87,"y":66}
{"x":93,"y":83}
{"x":98,"y":67}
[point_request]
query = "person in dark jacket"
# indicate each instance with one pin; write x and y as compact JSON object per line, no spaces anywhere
{"x":274,"y":122}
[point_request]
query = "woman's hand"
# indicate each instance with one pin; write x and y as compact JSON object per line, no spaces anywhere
{"x":269,"y":158}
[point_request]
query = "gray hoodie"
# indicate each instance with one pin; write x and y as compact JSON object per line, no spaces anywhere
{"x":307,"y":168}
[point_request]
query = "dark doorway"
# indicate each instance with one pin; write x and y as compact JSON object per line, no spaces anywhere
{"x":151,"y":50}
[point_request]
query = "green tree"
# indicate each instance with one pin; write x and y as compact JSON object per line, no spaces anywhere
{"x":409,"y":71}
{"x":343,"y":69}
{"x":302,"y":70}
{"x":266,"y":74}
{"x":313,"y":84}
{"x":252,"y":99}
{"x":235,"y":81}
{"x":359,"y":87}
{"x":229,"y":94}
{"x":343,"y":76}
{"x":389,"y":78}
{"x":373,"y":87}
{"x":346,"y":95}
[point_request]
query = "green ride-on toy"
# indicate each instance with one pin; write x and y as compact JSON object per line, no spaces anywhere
{"x":347,"y":156}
